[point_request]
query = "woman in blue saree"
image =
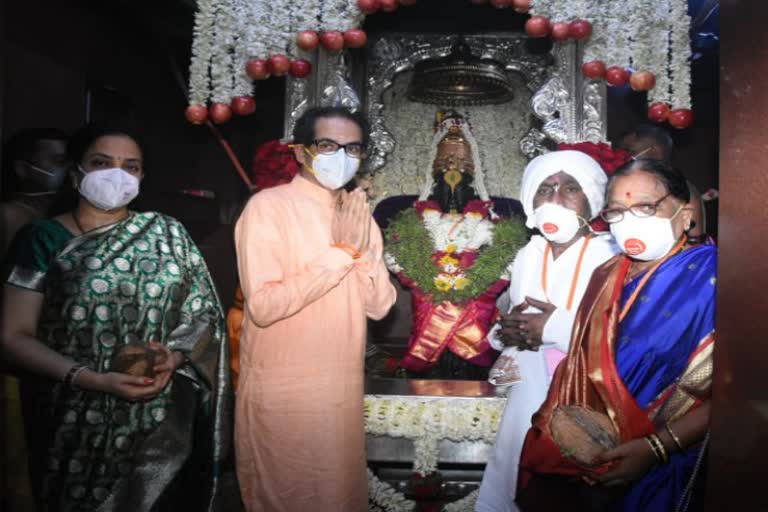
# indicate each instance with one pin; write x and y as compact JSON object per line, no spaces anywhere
{"x":79,"y":287}
{"x":638,"y":375}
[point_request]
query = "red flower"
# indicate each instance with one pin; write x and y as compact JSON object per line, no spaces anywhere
{"x":426,"y":205}
{"x":273,"y":164}
{"x":478,"y":206}
{"x":609,"y":159}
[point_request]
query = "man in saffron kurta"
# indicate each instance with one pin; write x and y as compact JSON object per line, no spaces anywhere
{"x":309,"y":281}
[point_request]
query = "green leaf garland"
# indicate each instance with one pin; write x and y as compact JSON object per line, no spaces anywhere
{"x":411,"y":245}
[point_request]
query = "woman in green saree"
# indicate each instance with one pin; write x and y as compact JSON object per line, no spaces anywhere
{"x":79,"y":287}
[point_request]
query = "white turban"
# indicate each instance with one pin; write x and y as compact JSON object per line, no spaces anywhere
{"x":581,"y":166}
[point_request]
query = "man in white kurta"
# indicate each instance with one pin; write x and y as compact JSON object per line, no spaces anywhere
{"x":560,"y":192}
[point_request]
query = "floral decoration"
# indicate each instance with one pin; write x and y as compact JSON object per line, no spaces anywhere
{"x":273,"y":164}
{"x":610,"y":159}
{"x":451,"y":257}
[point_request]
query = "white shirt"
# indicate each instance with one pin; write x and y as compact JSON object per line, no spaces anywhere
{"x":499,"y":486}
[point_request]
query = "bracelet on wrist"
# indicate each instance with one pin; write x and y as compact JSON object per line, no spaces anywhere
{"x":657,"y":447}
{"x":72,"y":374}
{"x":675,"y":438}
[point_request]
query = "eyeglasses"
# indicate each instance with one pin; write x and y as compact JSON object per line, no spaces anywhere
{"x":328,"y":147}
{"x":640,"y":210}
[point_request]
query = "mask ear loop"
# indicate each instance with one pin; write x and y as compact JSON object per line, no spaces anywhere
{"x":308,"y":167}
{"x":40,"y":169}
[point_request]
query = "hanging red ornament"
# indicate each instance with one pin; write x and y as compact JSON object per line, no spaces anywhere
{"x":658,"y":112}
{"x":307,"y":40}
{"x":593,"y":69}
{"x":301,"y":68}
{"x":616,"y":76}
{"x":196,"y":114}
{"x":279,"y":65}
{"x":257,"y":69}
{"x":388,"y":5}
{"x":561,"y":30}
{"x":220,"y":113}
{"x":243,"y":105}
{"x":581,"y":29}
{"x":521,"y":6}
{"x":368,"y":6}
{"x":332,"y":41}
{"x":501,"y":4}
{"x":680,"y":118}
{"x":355,"y":38}
{"x":642,"y":81}
{"x":537,"y":26}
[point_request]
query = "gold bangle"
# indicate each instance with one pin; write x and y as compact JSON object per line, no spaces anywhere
{"x":653,"y":449}
{"x":660,"y":446}
{"x":674,"y":437}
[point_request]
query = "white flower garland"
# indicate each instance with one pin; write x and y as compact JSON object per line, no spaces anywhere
{"x":680,"y":52}
{"x":646,"y":34}
{"x":385,"y":497}
{"x":465,"y":232}
{"x":222,"y":54}
{"x":426,"y":421}
{"x":199,"y":79}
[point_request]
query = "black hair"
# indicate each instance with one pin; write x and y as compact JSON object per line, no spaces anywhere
{"x":673,"y":181}
{"x":23,"y":145}
{"x":654,"y":133}
{"x":304,"y":130}
{"x":88,"y":134}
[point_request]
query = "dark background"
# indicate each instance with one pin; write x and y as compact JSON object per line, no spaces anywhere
{"x":126,"y":55}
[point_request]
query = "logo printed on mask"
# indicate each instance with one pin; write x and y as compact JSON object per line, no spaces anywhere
{"x":647,"y":238}
{"x":549,"y":228}
{"x":634,"y":246}
{"x":557,"y":223}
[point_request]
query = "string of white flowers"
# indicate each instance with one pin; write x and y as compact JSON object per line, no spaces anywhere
{"x":384,"y":497}
{"x":222,"y":56}
{"x":199,"y":78}
{"x":258,"y":30}
{"x":680,"y":55}
{"x":242,"y":85}
{"x":427,"y":421}
{"x":648,"y":34}
{"x":306,"y":15}
{"x":659,"y":49}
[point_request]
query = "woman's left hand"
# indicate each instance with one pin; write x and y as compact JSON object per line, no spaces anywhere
{"x":167,"y":363}
{"x":629,"y":461}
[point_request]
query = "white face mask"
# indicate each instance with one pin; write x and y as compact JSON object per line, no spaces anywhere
{"x":335,"y":170}
{"x":557,"y":223}
{"x":108,"y":189}
{"x":645,"y":239}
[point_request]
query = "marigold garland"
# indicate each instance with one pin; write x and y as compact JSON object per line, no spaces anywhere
{"x":410,"y":245}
